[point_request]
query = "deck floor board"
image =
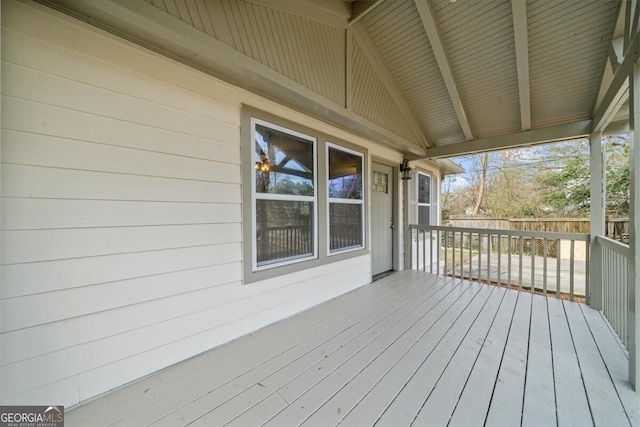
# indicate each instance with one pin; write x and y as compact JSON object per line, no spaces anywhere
{"x":411,"y":348}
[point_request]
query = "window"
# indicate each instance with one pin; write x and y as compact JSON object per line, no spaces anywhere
{"x":424,"y":199}
{"x":303,"y":198}
{"x":346,"y":200}
{"x":284,"y":195}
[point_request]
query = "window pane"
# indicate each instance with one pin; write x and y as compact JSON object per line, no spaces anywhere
{"x":284,"y":230}
{"x":283,"y":162}
{"x":424,"y":214}
{"x":380,"y":182}
{"x":345,"y":226}
{"x":345,"y":175}
{"x":424,"y":189}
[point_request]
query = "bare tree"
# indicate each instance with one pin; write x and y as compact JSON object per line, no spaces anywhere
{"x":481,"y":184}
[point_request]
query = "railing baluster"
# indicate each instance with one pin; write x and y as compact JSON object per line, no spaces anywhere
{"x":438,"y":246}
{"x":424,"y":251}
{"x":532,"y":244}
{"x":499,"y":259}
{"x":545,"y":253}
{"x":462,"y":254}
{"x":520,"y":254}
{"x":453,"y":254}
{"x":446,"y":253}
{"x":431,"y":251}
{"x":509,"y":263}
{"x":571,"y":270}
{"x":470,"y":255}
{"x":479,"y":256}
{"x":489,"y":258}
{"x":558,"y":250}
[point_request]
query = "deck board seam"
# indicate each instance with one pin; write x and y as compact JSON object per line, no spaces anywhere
{"x":606,"y":367}
{"x":460,"y":343}
{"x":403,"y":317}
{"x":372,"y":315}
{"x":427,"y":293}
{"x":486,"y":336}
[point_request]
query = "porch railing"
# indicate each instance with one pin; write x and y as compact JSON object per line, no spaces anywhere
{"x":548,"y":263}
{"x":614,"y":257}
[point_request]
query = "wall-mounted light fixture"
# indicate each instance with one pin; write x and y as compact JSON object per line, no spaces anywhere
{"x":405,"y":169}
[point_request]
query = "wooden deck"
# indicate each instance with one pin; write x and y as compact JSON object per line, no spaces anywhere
{"x":408,"y":349}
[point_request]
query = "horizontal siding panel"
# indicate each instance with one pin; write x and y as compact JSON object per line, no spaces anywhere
{"x":41,"y":182}
{"x":40,"y":245}
{"x":19,"y":50}
{"x":172,"y":295}
{"x":32,"y":342}
{"x":31,"y":117}
{"x":47,"y":89}
{"x":121,"y":222}
{"x":102,"y":352}
{"x":42,"y":150}
{"x":26,"y":279}
{"x":25,"y":213}
{"x":47,"y":369}
{"x":147,"y":298}
{"x":113,"y":374}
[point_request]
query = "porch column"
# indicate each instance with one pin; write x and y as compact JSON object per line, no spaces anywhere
{"x":597,"y":217}
{"x":634,"y":225}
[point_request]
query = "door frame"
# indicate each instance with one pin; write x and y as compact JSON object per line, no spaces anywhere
{"x":395,"y":208}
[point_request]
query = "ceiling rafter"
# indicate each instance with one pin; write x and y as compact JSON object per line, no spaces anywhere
{"x":521,"y":38}
{"x":430,"y":25}
{"x":374,"y":56}
{"x":618,"y":89}
{"x":513,"y":140}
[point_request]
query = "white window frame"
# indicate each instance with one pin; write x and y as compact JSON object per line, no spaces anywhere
{"x":283,"y":197}
{"x":428,"y":204}
{"x":337,"y":200}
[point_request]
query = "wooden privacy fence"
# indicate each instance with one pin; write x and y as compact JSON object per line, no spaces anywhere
{"x":616,"y":228}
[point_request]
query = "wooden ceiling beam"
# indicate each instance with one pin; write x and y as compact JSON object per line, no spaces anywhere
{"x":618,"y":90}
{"x":521,"y":37}
{"x":430,"y":25}
{"x":513,"y":140}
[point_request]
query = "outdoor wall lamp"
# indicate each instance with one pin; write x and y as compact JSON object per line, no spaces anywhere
{"x":405,"y":169}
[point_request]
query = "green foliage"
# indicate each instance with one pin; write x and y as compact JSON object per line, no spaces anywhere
{"x":567,"y":189}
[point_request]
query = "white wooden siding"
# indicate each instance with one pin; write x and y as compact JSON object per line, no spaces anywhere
{"x":121,"y":214}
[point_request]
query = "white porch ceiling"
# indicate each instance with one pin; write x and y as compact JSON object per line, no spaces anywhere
{"x":432,"y":78}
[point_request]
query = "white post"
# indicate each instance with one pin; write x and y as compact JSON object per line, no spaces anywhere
{"x":634,"y":225}
{"x":597,"y":217}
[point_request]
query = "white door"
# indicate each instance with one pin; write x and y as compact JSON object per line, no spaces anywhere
{"x":382,"y":221}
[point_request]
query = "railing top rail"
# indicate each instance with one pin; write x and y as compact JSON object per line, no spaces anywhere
{"x":510,"y":233}
{"x":613,"y":245}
